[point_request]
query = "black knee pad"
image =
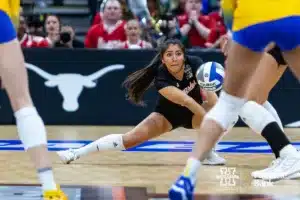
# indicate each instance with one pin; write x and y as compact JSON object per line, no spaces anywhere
{"x":277,"y":55}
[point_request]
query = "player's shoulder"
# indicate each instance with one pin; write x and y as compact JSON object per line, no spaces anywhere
{"x":161,"y":71}
{"x":163,"y":74}
{"x":194,"y":61}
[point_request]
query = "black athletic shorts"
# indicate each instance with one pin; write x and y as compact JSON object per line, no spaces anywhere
{"x":277,"y":55}
{"x":177,"y":117}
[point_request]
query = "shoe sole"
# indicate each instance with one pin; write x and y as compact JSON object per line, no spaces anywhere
{"x":290,"y":177}
{"x":205,"y":162}
{"x":293,"y":175}
{"x":215,"y":164}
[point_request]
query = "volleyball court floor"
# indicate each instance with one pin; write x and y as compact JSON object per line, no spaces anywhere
{"x":144,"y":172}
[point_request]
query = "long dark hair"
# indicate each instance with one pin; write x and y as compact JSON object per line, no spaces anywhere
{"x":140,"y":81}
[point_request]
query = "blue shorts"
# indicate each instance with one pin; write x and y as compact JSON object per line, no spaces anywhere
{"x":285,"y":32}
{"x":7,"y":29}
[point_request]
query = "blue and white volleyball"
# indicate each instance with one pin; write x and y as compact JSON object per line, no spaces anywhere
{"x":210,"y":76}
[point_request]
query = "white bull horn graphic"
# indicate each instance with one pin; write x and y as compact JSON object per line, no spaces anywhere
{"x":71,"y":85}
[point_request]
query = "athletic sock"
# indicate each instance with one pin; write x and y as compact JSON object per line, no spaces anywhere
{"x":191,"y":169}
{"x":275,"y":137}
{"x":108,"y":142}
{"x":47,"y":179}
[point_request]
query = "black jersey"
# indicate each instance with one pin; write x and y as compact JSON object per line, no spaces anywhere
{"x":188,"y":84}
{"x":176,"y":113}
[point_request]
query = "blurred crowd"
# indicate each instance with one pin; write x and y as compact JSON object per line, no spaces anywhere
{"x":36,"y":31}
{"x":197,"y":23}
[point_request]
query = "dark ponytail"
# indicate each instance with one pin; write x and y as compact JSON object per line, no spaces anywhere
{"x":140,"y":81}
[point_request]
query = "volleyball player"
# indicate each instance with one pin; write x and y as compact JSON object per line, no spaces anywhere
{"x":180,"y":103}
{"x":268,"y":73}
{"x":30,"y":126}
{"x":253,"y":30}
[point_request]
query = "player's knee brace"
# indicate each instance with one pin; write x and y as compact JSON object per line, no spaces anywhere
{"x":256,"y":116}
{"x":232,"y":125}
{"x":31,"y":128}
{"x":268,"y":106}
{"x":226,"y":110}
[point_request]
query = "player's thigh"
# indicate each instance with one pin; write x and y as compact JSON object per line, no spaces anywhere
{"x":240,"y":65}
{"x":152,"y":126}
{"x":288,"y":39}
{"x":12,"y":69}
{"x":293,"y":59}
{"x":244,"y":55}
{"x":267,"y":74}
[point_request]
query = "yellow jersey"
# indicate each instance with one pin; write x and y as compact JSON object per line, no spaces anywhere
{"x":245,"y":13}
{"x":12,"y":9}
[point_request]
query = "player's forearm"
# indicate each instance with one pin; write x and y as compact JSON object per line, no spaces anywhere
{"x":193,"y":106}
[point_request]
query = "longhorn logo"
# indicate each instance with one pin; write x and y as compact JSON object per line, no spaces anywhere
{"x":70,"y":86}
{"x":295,"y":124}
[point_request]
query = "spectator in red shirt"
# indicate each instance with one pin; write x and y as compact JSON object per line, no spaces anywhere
{"x":27,"y":40}
{"x":110,"y":32}
{"x":194,"y":25}
{"x":219,"y":30}
{"x":134,"y":40}
{"x":97,"y":18}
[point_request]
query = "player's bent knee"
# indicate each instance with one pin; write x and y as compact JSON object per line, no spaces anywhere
{"x":226,"y":110}
{"x":234,"y":121}
{"x":256,"y":116}
{"x":31,"y":128}
{"x":260,"y":99}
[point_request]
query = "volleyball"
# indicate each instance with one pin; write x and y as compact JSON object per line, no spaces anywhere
{"x":210,"y":76}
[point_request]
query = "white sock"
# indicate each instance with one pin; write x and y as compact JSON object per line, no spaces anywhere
{"x":191,"y":169}
{"x":287,"y":150}
{"x":268,"y":106}
{"x":108,"y":142}
{"x":47,"y":179}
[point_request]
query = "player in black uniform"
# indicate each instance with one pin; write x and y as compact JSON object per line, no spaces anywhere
{"x":180,"y":103}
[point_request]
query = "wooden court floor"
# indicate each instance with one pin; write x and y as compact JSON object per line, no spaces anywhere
{"x":154,"y":170}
